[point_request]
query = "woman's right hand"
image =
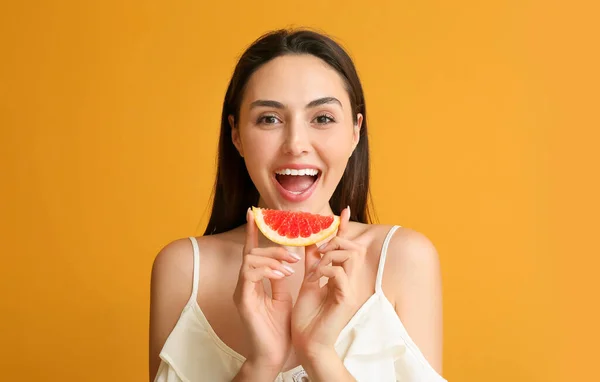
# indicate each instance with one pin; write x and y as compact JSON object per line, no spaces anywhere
{"x":266,"y":319}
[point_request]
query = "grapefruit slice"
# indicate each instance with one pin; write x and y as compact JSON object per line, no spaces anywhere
{"x":294,"y":228}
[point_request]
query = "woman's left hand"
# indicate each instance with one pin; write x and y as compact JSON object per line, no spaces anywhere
{"x":320,"y":313}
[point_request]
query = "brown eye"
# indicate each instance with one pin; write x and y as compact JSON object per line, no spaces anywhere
{"x":324,"y":119}
{"x":267,"y":120}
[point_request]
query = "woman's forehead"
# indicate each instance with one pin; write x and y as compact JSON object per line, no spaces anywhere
{"x":295,"y":80}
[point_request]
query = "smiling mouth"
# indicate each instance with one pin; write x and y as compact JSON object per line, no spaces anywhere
{"x":297,"y":181}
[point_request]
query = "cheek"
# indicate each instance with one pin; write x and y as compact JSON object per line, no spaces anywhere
{"x":258,"y":149}
{"x":335,"y":150}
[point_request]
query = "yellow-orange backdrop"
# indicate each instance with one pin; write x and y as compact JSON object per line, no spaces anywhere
{"x":481,"y":115}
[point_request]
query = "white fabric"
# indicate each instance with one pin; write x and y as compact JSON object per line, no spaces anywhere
{"x":374,"y":346}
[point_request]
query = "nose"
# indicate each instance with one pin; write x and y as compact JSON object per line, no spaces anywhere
{"x":297,"y":139}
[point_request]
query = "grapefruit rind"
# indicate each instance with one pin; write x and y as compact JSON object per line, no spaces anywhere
{"x":275,"y":237}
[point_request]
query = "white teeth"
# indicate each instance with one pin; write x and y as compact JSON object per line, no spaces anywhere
{"x":301,"y":172}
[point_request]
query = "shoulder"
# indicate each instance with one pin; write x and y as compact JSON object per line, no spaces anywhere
{"x":174,"y":264}
{"x":412,"y":254}
{"x":175,"y":258}
{"x":406,"y":248}
{"x":171,"y":283}
{"x":171,"y":286}
{"x":412,"y":281}
{"x":170,"y":289}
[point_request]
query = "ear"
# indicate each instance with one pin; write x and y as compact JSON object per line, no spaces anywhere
{"x":235,"y":136}
{"x":356,"y":131}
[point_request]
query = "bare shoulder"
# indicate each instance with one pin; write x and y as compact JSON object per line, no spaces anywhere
{"x":412,"y":282}
{"x":171,"y":287}
{"x":412,"y":254}
{"x":172,"y":270}
{"x":176,"y":263}
{"x":173,"y":262}
{"x":406,"y":246}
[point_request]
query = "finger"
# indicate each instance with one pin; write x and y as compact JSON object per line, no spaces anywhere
{"x":339,"y":243}
{"x":280,"y":290}
{"x":335,"y":274}
{"x":346,"y":259}
{"x":344,"y":219}
{"x":251,"y":232}
{"x":311,"y":260}
{"x":253,"y":262}
{"x":278,"y":253}
{"x":257,"y":274}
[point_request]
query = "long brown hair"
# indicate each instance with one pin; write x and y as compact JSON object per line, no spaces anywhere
{"x":233,"y":190}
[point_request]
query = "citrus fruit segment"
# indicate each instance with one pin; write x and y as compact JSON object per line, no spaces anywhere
{"x":294,"y":228}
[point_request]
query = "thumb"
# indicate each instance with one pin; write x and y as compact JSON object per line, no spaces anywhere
{"x":344,"y":219}
{"x":251,"y":232}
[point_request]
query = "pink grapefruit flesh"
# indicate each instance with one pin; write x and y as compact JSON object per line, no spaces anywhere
{"x":294,"y":228}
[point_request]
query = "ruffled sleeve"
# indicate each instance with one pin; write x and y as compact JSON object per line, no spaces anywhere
{"x":376,"y":347}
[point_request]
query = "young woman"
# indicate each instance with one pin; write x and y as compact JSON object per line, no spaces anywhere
{"x":364,"y":304}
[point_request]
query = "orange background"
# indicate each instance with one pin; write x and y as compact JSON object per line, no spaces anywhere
{"x":484,"y":127}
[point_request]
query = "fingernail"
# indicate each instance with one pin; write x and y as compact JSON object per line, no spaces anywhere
{"x":294,"y":255}
{"x":349,"y":213}
{"x":288,"y":268}
{"x":322,"y":246}
{"x":279,"y":273}
{"x":248,"y":214}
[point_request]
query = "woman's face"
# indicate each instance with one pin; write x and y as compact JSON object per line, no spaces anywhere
{"x":296,"y":132}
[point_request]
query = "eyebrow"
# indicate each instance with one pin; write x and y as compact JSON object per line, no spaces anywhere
{"x":279,"y":105}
